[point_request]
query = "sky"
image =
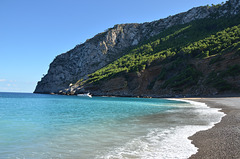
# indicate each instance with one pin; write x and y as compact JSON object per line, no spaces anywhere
{"x":34,"y":32}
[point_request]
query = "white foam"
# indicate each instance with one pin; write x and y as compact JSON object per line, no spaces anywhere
{"x":194,"y":103}
{"x":205,"y":111}
{"x":172,"y":143}
{"x":167,"y":144}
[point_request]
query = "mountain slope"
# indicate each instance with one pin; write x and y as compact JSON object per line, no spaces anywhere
{"x":186,"y":66}
{"x":111,"y":58}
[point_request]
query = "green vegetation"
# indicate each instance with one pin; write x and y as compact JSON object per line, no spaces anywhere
{"x":238,"y":52}
{"x":231,"y":71}
{"x":217,"y":58}
{"x":186,"y":77}
{"x":216,"y":79}
{"x":198,"y":39}
{"x":218,"y":82}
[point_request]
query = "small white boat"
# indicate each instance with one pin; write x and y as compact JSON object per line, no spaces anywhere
{"x":85,"y":95}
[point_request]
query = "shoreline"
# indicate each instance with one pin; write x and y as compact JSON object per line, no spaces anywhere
{"x":223,"y":139}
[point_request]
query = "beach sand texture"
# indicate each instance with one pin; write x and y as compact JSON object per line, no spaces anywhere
{"x":223,"y":140}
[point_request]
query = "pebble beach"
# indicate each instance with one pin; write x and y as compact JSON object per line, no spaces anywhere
{"x":223,"y":140}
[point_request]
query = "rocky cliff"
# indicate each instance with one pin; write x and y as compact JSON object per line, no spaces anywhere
{"x":67,"y":68}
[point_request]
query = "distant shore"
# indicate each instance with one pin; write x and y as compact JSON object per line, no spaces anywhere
{"x":223,"y":140}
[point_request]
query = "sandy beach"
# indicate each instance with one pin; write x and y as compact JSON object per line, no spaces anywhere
{"x":223,"y":140}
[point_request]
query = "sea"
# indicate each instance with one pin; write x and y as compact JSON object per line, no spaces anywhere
{"x":40,"y":126}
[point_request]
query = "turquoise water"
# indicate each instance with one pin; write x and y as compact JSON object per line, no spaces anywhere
{"x":69,"y":127}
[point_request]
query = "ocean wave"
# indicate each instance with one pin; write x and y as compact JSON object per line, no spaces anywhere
{"x":170,"y":143}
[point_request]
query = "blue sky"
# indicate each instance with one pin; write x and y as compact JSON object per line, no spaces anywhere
{"x":33,"y":32}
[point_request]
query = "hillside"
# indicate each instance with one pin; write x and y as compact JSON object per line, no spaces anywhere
{"x":193,"y":53}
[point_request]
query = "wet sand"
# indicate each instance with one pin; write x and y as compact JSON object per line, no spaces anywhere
{"x":223,"y":140}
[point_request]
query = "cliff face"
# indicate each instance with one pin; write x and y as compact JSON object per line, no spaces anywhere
{"x":67,"y":68}
{"x":147,"y":83}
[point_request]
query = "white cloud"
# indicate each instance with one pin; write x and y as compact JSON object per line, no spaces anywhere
{"x":10,"y":85}
{"x":3,"y":80}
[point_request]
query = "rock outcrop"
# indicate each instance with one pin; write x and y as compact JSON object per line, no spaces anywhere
{"x":67,"y":68}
